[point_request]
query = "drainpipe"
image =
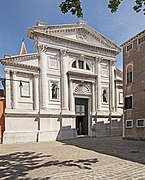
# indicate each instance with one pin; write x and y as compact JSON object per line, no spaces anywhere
{"x":110,"y":94}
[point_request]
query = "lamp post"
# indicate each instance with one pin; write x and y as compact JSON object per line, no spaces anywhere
{"x":4,"y":79}
{"x":7,"y":92}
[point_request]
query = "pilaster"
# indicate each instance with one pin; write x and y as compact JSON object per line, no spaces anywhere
{"x":98,"y":59}
{"x":64,"y":78}
{"x":72,"y":103}
{"x":36,"y":92}
{"x":43,"y":78}
{"x":8,"y":88}
{"x":15,"y":90}
{"x":93,"y":98}
{"x":112,"y":84}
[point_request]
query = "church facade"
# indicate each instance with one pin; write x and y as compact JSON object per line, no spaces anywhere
{"x":69,"y":87}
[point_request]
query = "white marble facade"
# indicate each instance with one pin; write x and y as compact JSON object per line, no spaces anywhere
{"x":70,"y":86}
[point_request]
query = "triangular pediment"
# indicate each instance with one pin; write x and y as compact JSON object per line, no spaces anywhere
{"x":80,"y":32}
{"x":30,"y":60}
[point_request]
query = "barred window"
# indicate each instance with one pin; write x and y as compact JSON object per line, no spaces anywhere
{"x":129,"y":74}
{"x":80,"y":65}
{"x":80,"y":110}
{"x":129,"y":77}
{"x":141,"y":40}
{"x":129,"y":123}
{"x":129,"y":47}
{"x":140,"y":122}
{"x":74,"y":64}
{"x":128,"y":102}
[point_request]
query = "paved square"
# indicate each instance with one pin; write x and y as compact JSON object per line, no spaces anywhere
{"x":110,"y":158}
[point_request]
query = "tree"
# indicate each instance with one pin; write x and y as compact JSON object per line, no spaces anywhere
{"x":74,"y":6}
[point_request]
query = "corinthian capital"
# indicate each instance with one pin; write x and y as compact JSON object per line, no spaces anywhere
{"x":14,"y":72}
{"x":35,"y":75}
{"x":113,"y":63}
{"x":7,"y":71}
{"x":99,"y":59}
{"x":42,"y":48}
{"x":64,"y":52}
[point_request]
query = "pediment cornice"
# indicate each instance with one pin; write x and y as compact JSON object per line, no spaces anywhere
{"x":58,"y":30}
{"x":14,"y":64}
{"x":15,"y":61}
{"x":74,"y":44}
{"x":84,"y":75}
{"x":25,"y":57}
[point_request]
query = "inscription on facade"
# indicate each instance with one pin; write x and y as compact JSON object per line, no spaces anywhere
{"x":52,"y":63}
{"x":105,"y":71}
{"x":25,"y":89}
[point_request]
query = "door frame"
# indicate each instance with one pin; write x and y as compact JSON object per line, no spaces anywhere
{"x":89,"y":110}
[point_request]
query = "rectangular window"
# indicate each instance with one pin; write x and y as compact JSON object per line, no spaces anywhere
{"x":74,"y":64}
{"x":129,"y":47}
{"x":129,"y":77}
{"x":80,"y":110}
{"x":141,"y":40}
{"x":120,"y":97}
{"x":129,"y":123}
{"x":140,"y":123}
{"x":128,"y":102}
{"x":81,"y":64}
{"x":25,"y":89}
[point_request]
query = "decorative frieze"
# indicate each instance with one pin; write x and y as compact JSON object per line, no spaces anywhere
{"x":21,"y":58}
{"x":82,"y":89}
{"x":77,"y":45}
{"x":14,"y":64}
{"x":81,"y":35}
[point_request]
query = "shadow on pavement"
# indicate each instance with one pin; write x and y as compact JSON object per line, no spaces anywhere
{"x":19,"y":164}
{"x":115,"y":146}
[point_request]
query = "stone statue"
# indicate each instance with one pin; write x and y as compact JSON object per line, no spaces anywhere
{"x":54,"y":91}
{"x":104,"y":95}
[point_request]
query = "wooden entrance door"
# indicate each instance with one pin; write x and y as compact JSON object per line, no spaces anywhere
{"x":81,"y":110}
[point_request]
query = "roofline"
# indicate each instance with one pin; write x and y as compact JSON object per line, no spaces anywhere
{"x":19,"y":65}
{"x":116,"y":51}
{"x":77,"y":25}
{"x":133,"y":38}
{"x":18,"y":56}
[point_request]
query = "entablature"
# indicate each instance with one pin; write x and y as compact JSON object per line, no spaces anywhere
{"x":72,"y":43}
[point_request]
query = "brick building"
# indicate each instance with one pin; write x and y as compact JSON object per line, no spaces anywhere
{"x":134,"y":86}
{"x":2,"y":118}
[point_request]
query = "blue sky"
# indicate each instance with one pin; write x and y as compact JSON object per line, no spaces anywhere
{"x":17,"y":15}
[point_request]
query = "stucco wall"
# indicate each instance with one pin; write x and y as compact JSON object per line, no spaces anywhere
{"x":2,"y":122}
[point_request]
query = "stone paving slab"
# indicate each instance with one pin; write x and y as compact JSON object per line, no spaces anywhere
{"x":109,"y":158}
